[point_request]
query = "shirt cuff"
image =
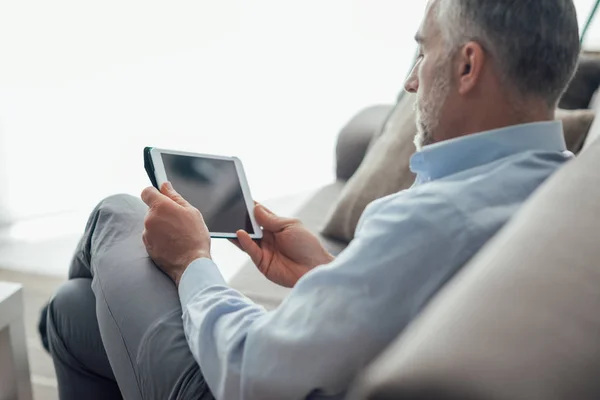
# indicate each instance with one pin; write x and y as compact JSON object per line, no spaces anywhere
{"x":199,"y":275}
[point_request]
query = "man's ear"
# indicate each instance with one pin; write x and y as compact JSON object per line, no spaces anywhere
{"x":471,"y":61}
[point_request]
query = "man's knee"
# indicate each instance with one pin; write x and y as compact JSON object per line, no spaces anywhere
{"x":114,"y":214}
{"x":118,"y":204}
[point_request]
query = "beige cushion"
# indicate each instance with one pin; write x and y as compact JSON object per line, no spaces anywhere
{"x":576,"y":125}
{"x":584,"y":84}
{"x":594,"y":133}
{"x":385,"y":170}
{"x":522,"y":320}
{"x":356,"y":136}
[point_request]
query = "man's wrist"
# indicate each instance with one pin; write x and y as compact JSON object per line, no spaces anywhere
{"x":326,"y":259}
{"x":200,"y":275}
{"x":178,"y":272}
{"x":177,"y":277}
{"x":330,"y":257}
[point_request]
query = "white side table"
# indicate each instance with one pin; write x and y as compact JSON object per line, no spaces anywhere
{"x":15,"y":382}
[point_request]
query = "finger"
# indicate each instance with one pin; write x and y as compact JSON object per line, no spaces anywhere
{"x":151,"y":196}
{"x":167,"y":190}
{"x":236,"y":243}
{"x":257,"y":204}
{"x":250,"y":247}
{"x":270,"y":221}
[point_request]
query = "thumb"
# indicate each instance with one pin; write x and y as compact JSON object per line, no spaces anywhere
{"x":249,"y":246}
{"x":167,"y":190}
{"x":269,"y":220}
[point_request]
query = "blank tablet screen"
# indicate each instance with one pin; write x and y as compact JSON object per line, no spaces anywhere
{"x":213,"y":187}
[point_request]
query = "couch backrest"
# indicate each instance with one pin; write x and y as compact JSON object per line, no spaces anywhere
{"x":354,"y":138}
{"x":522,"y":320}
{"x":594,"y":132}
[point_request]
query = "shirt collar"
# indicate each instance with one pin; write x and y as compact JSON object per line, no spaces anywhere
{"x":445,"y":158}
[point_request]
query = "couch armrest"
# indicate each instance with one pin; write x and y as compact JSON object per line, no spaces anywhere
{"x":353,"y":140}
{"x":520,"y":321}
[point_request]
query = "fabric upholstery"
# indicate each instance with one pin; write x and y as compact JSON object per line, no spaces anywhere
{"x":253,"y":284}
{"x":594,"y":132}
{"x":355,"y":137}
{"x":384,"y":171}
{"x":521,"y":321}
{"x":585,"y":83}
{"x":385,"y":168}
{"x":576,"y":125}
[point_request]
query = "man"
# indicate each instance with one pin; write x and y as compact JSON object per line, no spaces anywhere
{"x":495,"y":67}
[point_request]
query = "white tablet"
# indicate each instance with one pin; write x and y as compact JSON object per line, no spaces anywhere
{"x":215,"y":185}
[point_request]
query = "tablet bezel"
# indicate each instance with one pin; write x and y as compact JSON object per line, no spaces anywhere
{"x":161,"y":177}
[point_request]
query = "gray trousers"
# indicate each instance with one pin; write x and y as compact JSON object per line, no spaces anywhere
{"x":115,"y":328}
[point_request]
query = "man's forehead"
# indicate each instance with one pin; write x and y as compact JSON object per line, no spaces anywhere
{"x":432,"y":6}
{"x":429,"y":21}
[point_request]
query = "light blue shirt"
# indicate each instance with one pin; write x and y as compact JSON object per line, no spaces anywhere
{"x":340,"y":316}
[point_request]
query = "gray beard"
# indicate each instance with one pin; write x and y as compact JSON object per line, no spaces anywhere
{"x":428,"y":112}
{"x":424,"y":136}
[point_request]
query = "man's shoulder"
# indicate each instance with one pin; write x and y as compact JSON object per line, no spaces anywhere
{"x":417,"y":217}
{"x":510,"y":179}
{"x":416,"y":202}
{"x":496,"y":189}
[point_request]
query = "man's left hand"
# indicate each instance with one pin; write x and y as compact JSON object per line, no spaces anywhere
{"x":175,"y":233}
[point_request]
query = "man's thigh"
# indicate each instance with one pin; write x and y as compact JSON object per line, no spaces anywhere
{"x":138,"y":309}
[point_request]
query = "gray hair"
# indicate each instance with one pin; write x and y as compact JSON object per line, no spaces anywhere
{"x":534,"y":43}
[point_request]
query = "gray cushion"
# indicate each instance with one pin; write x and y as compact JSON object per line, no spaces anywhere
{"x":594,"y":133}
{"x":355,"y":137}
{"x":253,"y":284}
{"x":584,"y":84}
{"x":576,"y":125}
{"x":522,"y":320}
{"x":384,"y":170}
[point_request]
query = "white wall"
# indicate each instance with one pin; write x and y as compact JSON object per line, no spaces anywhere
{"x":584,"y":7}
{"x":84,"y":86}
{"x":4,"y":215}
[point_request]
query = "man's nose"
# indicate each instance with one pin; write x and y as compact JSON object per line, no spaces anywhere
{"x":412,"y":83}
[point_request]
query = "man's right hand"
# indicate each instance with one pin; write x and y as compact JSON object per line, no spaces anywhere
{"x":286,"y":252}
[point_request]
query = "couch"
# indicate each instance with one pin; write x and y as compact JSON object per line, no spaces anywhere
{"x":521,"y":321}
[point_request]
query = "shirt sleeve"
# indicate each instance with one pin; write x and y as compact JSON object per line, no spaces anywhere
{"x":338,"y":317}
